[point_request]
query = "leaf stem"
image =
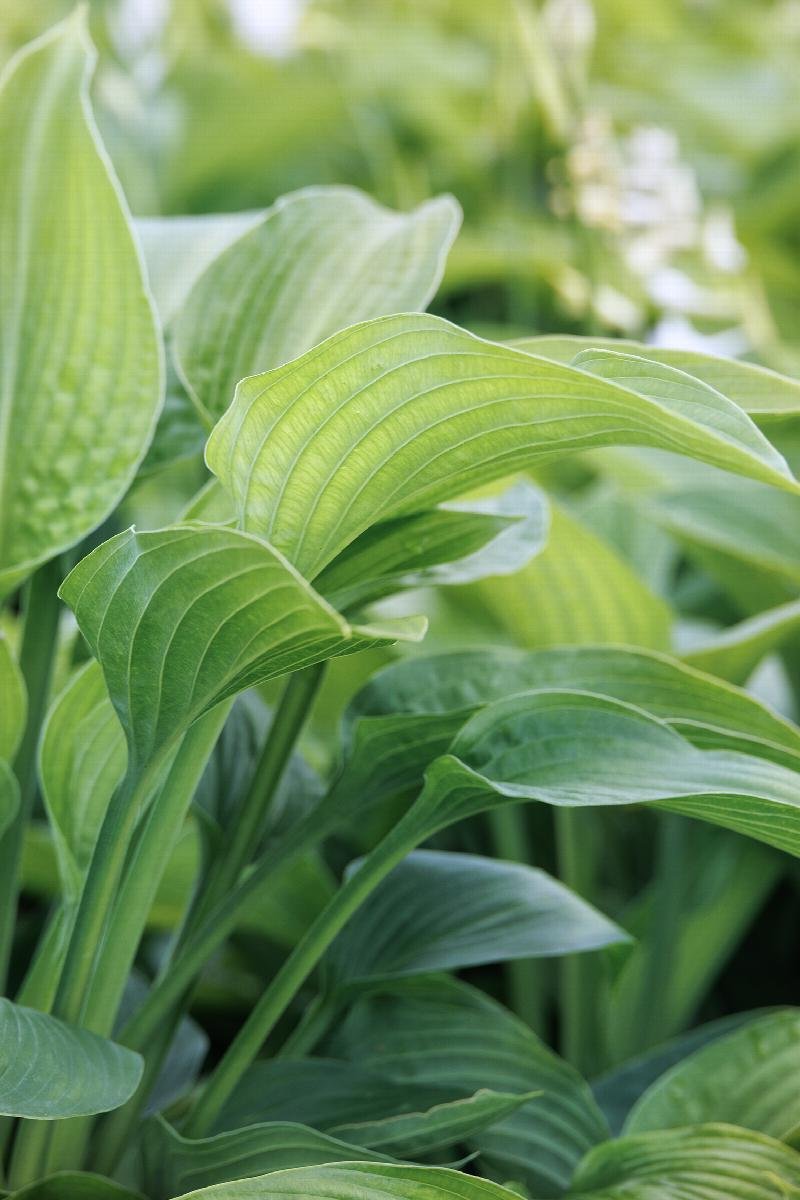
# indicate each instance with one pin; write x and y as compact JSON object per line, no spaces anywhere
{"x":37,"y":654}
{"x":579,"y":1034}
{"x":294,"y":972}
{"x":315,"y":1022}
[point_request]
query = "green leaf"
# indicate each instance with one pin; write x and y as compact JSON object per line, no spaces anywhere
{"x":734,"y":653}
{"x":81,"y":761}
{"x":178,"y":249}
{"x":441,"y":1032}
{"x":764,"y":394}
{"x":579,"y":590}
{"x":75,"y":1185}
{"x":412,"y":1135}
{"x":419,"y":411}
{"x":575,"y":749}
{"x":439,"y":911}
{"x":182,"y":618}
{"x":9,"y":795}
{"x":359,"y":1181}
{"x":747,"y":1078}
{"x":50,"y":1070}
{"x":174,"y":1163}
{"x":454,"y":543}
{"x":319,"y":259}
{"x":82,"y":371}
{"x":707,"y":1162}
{"x":15,"y":702}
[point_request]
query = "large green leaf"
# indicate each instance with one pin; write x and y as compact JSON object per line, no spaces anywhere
{"x":15,"y":702}
{"x":50,"y":1070}
{"x":82,"y":373}
{"x":81,"y":760}
{"x":706,"y":1162}
{"x":418,"y":411}
{"x":454,"y":543}
{"x":184,"y":617}
{"x":439,"y":911}
{"x":441,"y":1032}
{"x":359,"y":1181}
{"x":174,"y":1163}
{"x":319,"y":259}
{"x":747,"y":1078}
{"x":764,"y":394}
{"x":575,"y":749}
{"x":733,"y":653}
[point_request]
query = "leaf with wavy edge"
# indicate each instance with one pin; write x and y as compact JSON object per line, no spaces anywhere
{"x":82,"y":759}
{"x":747,"y":1078}
{"x":184,"y":617}
{"x":574,"y":749}
{"x":441,"y":911}
{"x":81,"y":382}
{"x":735,"y":652}
{"x":393,"y":416}
{"x":765,"y":394}
{"x":358,"y":1181}
{"x":319,"y":259}
{"x":702,"y":1162}
{"x":50,"y":1070}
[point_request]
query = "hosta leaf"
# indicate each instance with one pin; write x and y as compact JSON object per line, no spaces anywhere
{"x":441,"y":1032}
{"x":184,"y":617}
{"x":735,"y":652}
{"x":9,"y":795}
{"x":764,"y":394}
{"x":454,"y":543}
{"x":440,"y":911}
{"x":50,"y":1070}
{"x":419,"y":411}
{"x":15,"y":702}
{"x":617,"y":1091}
{"x":707,"y":1162}
{"x":178,"y":249}
{"x":575,"y":748}
{"x":359,"y":1181}
{"x":412,"y":1135}
{"x":319,"y":259}
{"x":747,"y":1078}
{"x":75,"y":1185}
{"x":82,"y":373}
{"x":81,"y":761}
{"x":579,"y":590}
{"x":174,"y":1163}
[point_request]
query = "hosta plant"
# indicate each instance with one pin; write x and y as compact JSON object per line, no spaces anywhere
{"x":245,"y":958}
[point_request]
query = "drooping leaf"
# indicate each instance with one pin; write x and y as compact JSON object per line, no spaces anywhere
{"x":454,"y":543}
{"x":15,"y":702}
{"x":413,"y":1135}
{"x":441,"y":1032}
{"x":704,"y":1162}
{"x":764,"y":394}
{"x":174,"y":1163}
{"x":746,"y":1078}
{"x":619,"y":1089}
{"x":82,"y":371}
{"x":572,"y":749}
{"x":578,"y":591}
{"x":81,"y":761}
{"x":440,"y":911}
{"x":75,"y":1185}
{"x":419,"y":411}
{"x":319,"y":259}
{"x":184,"y":617}
{"x":359,"y":1181}
{"x":50,"y":1070}
{"x":734,"y":653}
{"x":178,"y":249}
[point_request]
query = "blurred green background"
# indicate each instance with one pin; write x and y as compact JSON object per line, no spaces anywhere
{"x":625,"y":166}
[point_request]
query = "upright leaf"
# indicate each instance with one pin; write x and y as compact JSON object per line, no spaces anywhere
{"x":418,"y":411}
{"x":50,"y":1070}
{"x":318,"y":260}
{"x":81,"y":379}
{"x":15,"y":702}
